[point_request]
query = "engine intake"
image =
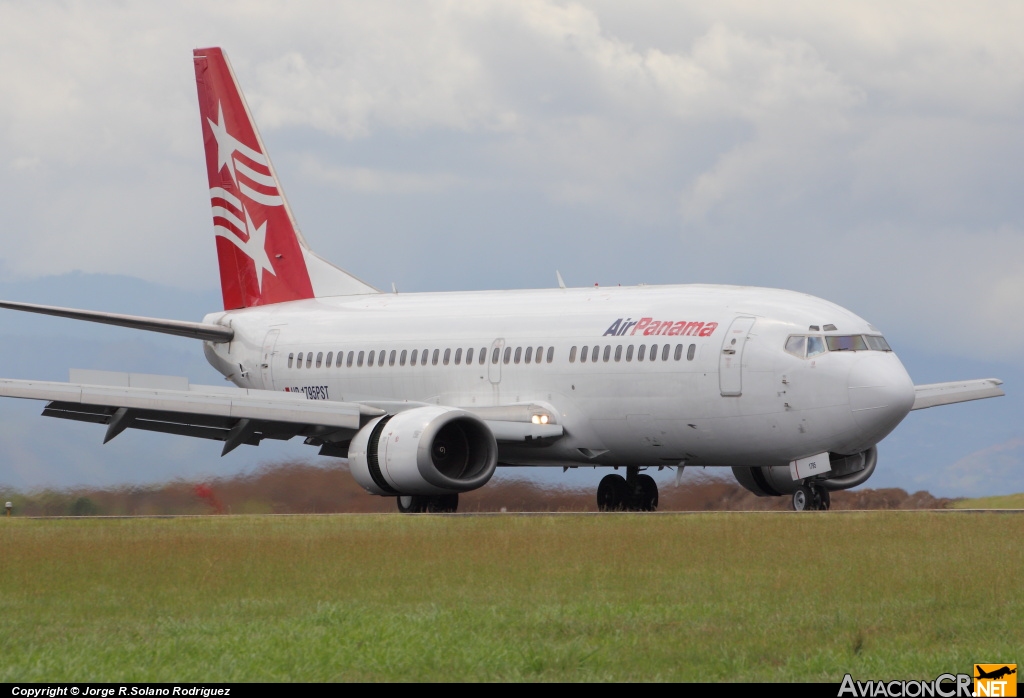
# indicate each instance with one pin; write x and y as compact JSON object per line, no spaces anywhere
{"x":425,"y":450}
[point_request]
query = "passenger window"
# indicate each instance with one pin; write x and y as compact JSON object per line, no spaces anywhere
{"x":796,"y":346}
{"x":447,"y":356}
{"x":309,"y":359}
{"x":690,"y":352}
{"x":583,"y":354}
{"x":653,"y":356}
{"x":370,"y":357}
{"x":483,"y":355}
{"x":593,"y":354}
{"x":551,"y":354}
{"x":664,"y":352}
{"x":415,"y":355}
{"x":298,"y":364}
{"x":348,"y":362}
{"x":291,"y":358}
{"x":679,"y":352}
{"x":607,"y":353}
{"x":423,"y":357}
{"x":469,"y":356}
{"x":519,"y":354}
{"x":508,"y":355}
{"x":319,"y":358}
{"x":433,"y":359}
{"x":815,"y":346}
{"x":618,"y":353}
{"x":359,"y":361}
{"x":401,"y":359}
{"x":330,"y":355}
{"x":641,"y":352}
{"x":572,"y":355}
{"x":495,"y":355}
{"x":391,"y":358}
{"x":540,"y":354}
{"x":458,"y":356}
{"x":529,"y":355}
{"x":380,"y":357}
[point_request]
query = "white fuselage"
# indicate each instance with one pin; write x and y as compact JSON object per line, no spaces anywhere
{"x":725,"y":393}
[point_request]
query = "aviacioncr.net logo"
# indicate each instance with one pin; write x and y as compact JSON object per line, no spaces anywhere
{"x":945,"y":686}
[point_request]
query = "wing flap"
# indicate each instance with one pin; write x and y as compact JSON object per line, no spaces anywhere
{"x":935,"y":394}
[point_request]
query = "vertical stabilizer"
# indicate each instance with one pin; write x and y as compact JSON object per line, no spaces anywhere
{"x":262,"y":255}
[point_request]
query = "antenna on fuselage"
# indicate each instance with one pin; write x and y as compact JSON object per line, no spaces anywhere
{"x":561,"y":282}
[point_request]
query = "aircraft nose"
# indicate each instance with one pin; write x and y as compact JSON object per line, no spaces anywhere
{"x":881,"y":394}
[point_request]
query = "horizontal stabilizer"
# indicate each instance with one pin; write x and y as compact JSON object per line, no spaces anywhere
{"x":195,"y":330}
{"x":935,"y":394}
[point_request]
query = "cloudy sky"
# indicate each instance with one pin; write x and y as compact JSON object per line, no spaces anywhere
{"x":863,"y":152}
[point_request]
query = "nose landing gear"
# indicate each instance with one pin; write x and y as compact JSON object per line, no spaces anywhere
{"x":810,"y":497}
{"x":635,"y":492}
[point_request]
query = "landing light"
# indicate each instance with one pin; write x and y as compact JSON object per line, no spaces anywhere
{"x":539,"y":419}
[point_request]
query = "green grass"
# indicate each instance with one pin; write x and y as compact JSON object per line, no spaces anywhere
{"x":1006,"y":501}
{"x":706,"y":597}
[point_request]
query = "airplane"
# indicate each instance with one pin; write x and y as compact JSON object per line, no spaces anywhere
{"x":426,"y":394}
{"x":995,"y":673}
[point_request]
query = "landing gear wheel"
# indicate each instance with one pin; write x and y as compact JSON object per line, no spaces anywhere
{"x":612,"y":493}
{"x":647,"y":499}
{"x":419,"y":503}
{"x":803,"y":499}
{"x":444,"y":504}
{"x":411,"y":503}
{"x":825,"y":502}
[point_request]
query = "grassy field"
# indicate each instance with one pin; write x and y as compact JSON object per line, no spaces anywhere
{"x":1006,"y":501}
{"x":701,"y":597}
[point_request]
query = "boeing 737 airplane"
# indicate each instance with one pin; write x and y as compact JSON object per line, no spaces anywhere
{"x":426,"y":394}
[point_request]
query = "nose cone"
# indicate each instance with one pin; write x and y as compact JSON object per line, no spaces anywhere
{"x":881,"y":395}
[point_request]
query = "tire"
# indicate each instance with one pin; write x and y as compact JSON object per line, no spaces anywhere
{"x":612,"y":493}
{"x":444,"y":504}
{"x":648,"y":500}
{"x":826,"y":500}
{"x":803,"y":499}
{"x":411,"y":503}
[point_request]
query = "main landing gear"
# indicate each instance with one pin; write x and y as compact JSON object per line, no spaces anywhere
{"x":810,"y":497}
{"x":635,"y":492}
{"x":420,"y":503}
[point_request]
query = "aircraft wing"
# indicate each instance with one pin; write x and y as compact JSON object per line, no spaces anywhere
{"x":236,"y":416}
{"x":935,"y":394}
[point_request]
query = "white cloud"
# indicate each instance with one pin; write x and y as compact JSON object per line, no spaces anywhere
{"x":791,"y":144}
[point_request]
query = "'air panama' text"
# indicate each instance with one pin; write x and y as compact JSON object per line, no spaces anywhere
{"x":649,"y":326}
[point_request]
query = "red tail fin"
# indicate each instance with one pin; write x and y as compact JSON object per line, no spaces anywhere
{"x":263,"y":257}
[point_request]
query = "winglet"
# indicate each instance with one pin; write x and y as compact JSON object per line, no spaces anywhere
{"x":561,"y":282}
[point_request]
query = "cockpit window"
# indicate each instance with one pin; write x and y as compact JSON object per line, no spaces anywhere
{"x":815,"y":346}
{"x":806,"y":346}
{"x":796,"y":346}
{"x":877,"y":343}
{"x":847,"y":342}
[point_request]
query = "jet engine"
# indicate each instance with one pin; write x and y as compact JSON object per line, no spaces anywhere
{"x":774,"y":480}
{"x":423,"y":451}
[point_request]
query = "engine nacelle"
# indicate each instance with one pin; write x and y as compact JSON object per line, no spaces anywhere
{"x":425,"y":450}
{"x":774,"y":480}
